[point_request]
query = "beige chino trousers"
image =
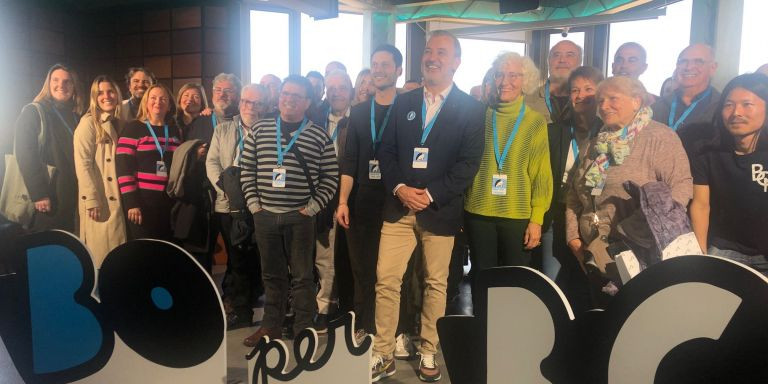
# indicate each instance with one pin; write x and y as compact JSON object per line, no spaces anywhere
{"x":398,"y":241}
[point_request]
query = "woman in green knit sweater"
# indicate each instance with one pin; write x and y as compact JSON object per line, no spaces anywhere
{"x":506,"y":203}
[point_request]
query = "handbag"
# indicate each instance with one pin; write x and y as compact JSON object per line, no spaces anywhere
{"x":15,"y":203}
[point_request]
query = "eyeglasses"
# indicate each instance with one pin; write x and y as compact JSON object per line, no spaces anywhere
{"x":252,"y":104}
{"x":511,"y":75}
{"x":228,"y":91}
{"x":294,"y":96}
{"x":693,"y":62}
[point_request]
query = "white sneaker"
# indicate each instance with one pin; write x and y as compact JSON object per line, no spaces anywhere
{"x":403,"y":347}
{"x":428,"y":370}
{"x":360,"y":335}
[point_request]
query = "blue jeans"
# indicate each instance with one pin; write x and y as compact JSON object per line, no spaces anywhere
{"x":756,"y":262}
{"x":550,"y":266}
{"x":286,"y":240}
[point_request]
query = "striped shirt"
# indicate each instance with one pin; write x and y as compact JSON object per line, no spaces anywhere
{"x":136,"y":163}
{"x":259,"y":159}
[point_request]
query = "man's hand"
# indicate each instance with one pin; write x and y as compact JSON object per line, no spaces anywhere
{"x":43,"y":205}
{"x":202,"y":150}
{"x":532,"y":237}
{"x":342,"y":215}
{"x":413,"y":198}
{"x":304,"y":212}
{"x":206,"y":112}
{"x":134,"y":215}
{"x":94,"y":213}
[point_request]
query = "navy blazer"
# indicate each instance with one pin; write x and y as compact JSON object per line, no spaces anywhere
{"x":455,"y":147}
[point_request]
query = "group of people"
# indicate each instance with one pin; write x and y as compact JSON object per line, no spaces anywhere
{"x":526,"y":170}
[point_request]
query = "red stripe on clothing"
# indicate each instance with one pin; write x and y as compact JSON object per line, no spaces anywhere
{"x":127,"y":141}
{"x":126,"y":179}
{"x":125,"y":151}
{"x":151,"y":177}
{"x":128,"y":188}
{"x":152,"y":186}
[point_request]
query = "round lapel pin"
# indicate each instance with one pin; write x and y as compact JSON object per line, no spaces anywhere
{"x":411,"y":115}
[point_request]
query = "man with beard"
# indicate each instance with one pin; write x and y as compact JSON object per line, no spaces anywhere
{"x":362,"y":215}
{"x":138,"y":80}
{"x":552,"y":98}
{"x":225,"y":99}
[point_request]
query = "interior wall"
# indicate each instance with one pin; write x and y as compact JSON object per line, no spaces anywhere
{"x":178,"y":43}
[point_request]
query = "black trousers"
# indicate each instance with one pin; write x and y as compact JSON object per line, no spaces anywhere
{"x":493,"y":242}
{"x":243,"y":277}
{"x":287,"y":240}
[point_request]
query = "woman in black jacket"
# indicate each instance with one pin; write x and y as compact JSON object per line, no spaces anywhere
{"x":58,"y":108}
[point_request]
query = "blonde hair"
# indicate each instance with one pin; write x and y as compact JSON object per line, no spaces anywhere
{"x":77,"y":93}
{"x":96,"y":111}
{"x":530,"y":74}
{"x":184,"y":88}
{"x":142,"y":115}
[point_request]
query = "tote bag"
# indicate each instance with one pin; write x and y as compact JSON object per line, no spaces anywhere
{"x":15,"y":203}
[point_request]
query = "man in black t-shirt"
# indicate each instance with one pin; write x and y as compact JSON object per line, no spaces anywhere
{"x":362,"y":215}
{"x":729,"y":211}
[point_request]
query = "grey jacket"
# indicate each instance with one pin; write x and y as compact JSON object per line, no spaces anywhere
{"x":221,"y":155}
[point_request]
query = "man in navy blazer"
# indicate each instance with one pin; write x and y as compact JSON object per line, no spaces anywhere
{"x":429,"y":155}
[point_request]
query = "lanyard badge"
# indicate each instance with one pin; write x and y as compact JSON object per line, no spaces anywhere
{"x":279,"y":173}
{"x":421,"y":153}
{"x":160,"y":168}
{"x":499,"y":181}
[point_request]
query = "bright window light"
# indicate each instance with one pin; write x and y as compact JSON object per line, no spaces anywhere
{"x":269,"y":44}
{"x":477,"y":57}
{"x":662,"y":38}
{"x":400,"y":43}
{"x":339,"y":39}
{"x":753,"y":52}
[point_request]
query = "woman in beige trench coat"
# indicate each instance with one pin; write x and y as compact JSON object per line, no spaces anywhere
{"x":102,"y":222}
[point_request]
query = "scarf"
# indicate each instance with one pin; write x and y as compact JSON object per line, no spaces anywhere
{"x":613,"y":147}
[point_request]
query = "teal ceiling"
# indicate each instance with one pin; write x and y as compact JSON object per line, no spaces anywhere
{"x":485,"y":11}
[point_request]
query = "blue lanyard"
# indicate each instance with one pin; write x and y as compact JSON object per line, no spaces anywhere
{"x":280,"y":149}
{"x":71,"y":132}
{"x":673,"y":108}
{"x":575,"y":145}
{"x":428,"y":126}
{"x":213,"y":119}
{"x":376,"y":139}
{"x":546,"y":97}
{"x":241,"y":137}
{"x":501,"y":156}
{"x":157,"y":142}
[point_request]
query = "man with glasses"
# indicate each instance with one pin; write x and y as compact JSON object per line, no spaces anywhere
{"x":225,"y":98}
{"x":338,"y":90}
{"x":289,"y":174}
{"x":695,"y":100}
{"x":227,"y":144}
{"x":138,"y":80}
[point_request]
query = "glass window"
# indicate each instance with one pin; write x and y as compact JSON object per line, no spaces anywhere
{"x":339,"y":39}
{"x":269,"y":44}
{"x":753,"y":53}
{"x":400,"y":43}
{"x":477,"y":57}
{"x":662,"y":38}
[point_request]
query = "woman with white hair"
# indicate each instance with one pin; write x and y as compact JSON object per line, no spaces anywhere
{"x":506,"y":203}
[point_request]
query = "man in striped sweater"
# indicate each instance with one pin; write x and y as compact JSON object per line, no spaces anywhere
{"x":289,"y":173}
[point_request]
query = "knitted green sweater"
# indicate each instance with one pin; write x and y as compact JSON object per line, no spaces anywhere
{"x":529,"y":176}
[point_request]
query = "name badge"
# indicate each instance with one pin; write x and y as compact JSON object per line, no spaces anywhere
{"x":420,"y":157}
{"x":161,"y":169}
{"x":374,"y":172}
{"x":278,"y":178}
{"x":499,"y":185}
{"x":565,"y":177}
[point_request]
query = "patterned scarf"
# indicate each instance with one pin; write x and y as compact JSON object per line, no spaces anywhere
{"x":613,"y":147}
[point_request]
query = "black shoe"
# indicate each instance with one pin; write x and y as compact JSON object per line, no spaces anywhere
{"x":235,"y":321}
{"x":321,"y":323}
